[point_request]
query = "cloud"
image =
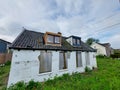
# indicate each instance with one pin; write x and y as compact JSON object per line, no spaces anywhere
{"x":84,"y":18}
{"x":115,"y":41}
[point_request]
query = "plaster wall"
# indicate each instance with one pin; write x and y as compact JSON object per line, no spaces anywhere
{"x":25,"y":66}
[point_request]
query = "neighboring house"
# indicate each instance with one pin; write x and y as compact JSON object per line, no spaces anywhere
{"x":38,"y":56}
{"x":5,"y":54}
{"x":4,"y":46}
{"x":102,"y":49}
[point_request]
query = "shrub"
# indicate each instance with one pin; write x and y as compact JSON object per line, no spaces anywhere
{"x":8,"y":63}
{"x":18,"y":86}
{"x":100,"y":56}
{"x":32,"y":85}
{"x":1,"y":71}
{"x":87,"y":69}
{"x":115,"y":55}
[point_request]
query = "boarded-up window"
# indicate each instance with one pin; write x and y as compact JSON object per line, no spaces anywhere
{"x":68,"y":55}
{"x":78,"y":59}
{"x":63,"y":60}
{"x":87,"y":58}
{"x":45,"y":62}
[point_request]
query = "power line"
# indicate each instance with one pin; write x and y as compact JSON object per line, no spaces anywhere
{"x":102,"y":29}
{"x":106,"y":18}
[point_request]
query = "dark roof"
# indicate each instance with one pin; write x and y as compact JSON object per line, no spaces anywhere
{"x":74,"y":36}
{"x":32,"y":40}
{"x":5,"y":41}
{"x":104,"y":44}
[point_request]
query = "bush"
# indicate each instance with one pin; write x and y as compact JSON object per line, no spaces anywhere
{"x":115,"y":55}
{"x":18,"y":86}
{"x":87,"y":69}
{"x":1,"y":71}
{"x":8,"y":63}
{"x":100,"y":56}
{"x":32,"y":85}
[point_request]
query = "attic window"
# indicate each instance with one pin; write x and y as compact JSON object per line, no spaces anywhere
{"x":53,"y":39}
{"x":76,"y":41}
{"x":57,"y":39}
{"x":50,"y":38}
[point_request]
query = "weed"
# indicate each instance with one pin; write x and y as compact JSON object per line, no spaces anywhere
{"x":1,"y":71}
{"x":31,"y":85}
{"x":8,"y":63}
{"x":87,"y":69}
{"x":106,"y":77}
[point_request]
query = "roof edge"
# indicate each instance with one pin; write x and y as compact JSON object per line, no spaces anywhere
{"x":17,"y":48}
{"x":17,"y":37}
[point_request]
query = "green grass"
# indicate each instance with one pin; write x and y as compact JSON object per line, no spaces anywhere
{"x":106,"y":77}
{"x":4,"y":73}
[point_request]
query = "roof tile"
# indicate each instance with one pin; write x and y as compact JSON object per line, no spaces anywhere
{"x":34,"y":41}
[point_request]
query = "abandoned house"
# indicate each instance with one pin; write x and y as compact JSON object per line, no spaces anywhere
{"x":38,"y":56}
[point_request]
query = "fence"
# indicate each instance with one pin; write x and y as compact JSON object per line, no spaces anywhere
{"x":4,"y":57}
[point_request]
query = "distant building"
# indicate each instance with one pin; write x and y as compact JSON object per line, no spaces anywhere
{"x":5,"y":53}
{"x":102,"y":48}
{"x":4,"y":46}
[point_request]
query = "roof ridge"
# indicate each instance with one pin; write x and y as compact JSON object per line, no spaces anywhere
{"x":34,"y":31}
{"x":5,"y":41}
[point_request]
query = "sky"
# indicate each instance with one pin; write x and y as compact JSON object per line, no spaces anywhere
{"x":99,"y":19}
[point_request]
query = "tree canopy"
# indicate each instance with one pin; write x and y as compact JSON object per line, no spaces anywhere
{"x":89,"y":41}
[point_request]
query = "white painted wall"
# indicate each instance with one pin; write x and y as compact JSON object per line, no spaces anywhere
{"x":25,"y":66}
{"x":69,"y":40}
{"x":101,"y":50}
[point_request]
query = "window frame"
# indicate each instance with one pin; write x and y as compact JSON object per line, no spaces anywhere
{"x":75,"y":41}
{"x":57,"y":42}
{"x":78,"y":41}
{"x":54,"y":39}
{"x":79,"y":59}
{"x":87,"y":58}
{"x":65,"y":62}
{"x":44,"y":55}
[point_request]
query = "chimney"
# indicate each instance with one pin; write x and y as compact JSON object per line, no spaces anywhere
{"x":60,"y":33}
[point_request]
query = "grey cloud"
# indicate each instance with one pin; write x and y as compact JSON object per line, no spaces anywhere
{"x":78,"y":17}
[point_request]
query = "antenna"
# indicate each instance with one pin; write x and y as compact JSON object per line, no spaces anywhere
{"x":23,"y":28}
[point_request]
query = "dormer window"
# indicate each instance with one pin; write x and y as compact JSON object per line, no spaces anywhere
{"x":52,"y":39}
{"x":57,"y":39}
{"x":76,"y":42}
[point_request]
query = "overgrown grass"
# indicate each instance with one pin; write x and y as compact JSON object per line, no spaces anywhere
{"x":106,"y":77}
{"x":4,"y":73}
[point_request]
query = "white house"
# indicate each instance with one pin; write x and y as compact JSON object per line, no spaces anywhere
{"x":102,"y":49}
{"x":38,"y":56}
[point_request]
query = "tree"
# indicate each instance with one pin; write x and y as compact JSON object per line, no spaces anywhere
{"x":89,"y":41}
